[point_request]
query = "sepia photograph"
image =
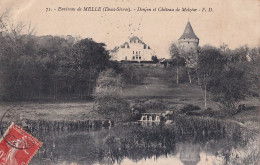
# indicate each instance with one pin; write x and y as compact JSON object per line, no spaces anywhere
{"x":129,"y":82}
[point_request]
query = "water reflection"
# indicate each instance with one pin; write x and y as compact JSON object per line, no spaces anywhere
{"x":134,"y":144}
{"x":189,"y":153}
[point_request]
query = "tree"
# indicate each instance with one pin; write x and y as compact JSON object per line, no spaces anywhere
{"x":182,"y":58}
{"x":17,"y":55}
{"x":239,"y":54}
{"x":254,"y":54}
{"x":191,"y":61}
{"x":54,"y":78}
{"x":132,"y":75}
{"x":108,"y":98}
{"x":3,"y":17}
{"x":155,"y":59}
{"x":231,"y":87}
{"x":254,"y":70}
{"x":224,"y":47}
{"x":250,"y":67}
{"x":175,"y":54}
{"x":210,"y":65}
{"x":18,"y":60}
{"x":86,"y":60}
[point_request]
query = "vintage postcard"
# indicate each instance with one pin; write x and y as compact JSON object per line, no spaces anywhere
{"x":128,"y":82}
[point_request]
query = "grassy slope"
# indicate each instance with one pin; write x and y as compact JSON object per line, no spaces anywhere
{"x":154,"y":89}
{"x":154,"y":86}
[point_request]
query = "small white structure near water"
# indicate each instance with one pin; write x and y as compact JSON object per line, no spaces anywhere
{"x":151,"y":117}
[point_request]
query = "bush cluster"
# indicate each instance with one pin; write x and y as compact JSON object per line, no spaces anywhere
{"x":189,"y":107}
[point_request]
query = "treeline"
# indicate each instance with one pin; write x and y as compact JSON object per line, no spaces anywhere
{"x":230,"y":75}
{"x":211,"y":61}
{"x":53,"y":67}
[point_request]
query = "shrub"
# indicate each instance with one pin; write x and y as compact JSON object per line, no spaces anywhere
{"x":147,"y":106}
{"x":189,"y":107}
{"x":107,"y":96}
{"x":114,"y":108}
{"x":213,"y":113}
{"x":230,"y":88}
{"x":133,"y":75}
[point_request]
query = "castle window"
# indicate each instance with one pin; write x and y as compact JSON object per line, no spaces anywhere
{"x":133,"y":52}
{"x":188,"y":42}
{"x":133,"y":57}
{"x":128,"y":46}
{"x":139,"y":57}
{"x":136,"y":52}
{"x":144,"y":46}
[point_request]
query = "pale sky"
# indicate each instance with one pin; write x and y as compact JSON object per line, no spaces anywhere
{"x":234,"y":22}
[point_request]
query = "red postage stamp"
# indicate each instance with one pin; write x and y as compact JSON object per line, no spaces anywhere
{"x":17,"y":147}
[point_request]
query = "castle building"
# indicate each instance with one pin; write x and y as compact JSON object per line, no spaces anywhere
{"x":189,"y":42}
{"x":133,"y":50}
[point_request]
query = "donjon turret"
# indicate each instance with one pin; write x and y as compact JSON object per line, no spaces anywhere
{"x":189,"y":42}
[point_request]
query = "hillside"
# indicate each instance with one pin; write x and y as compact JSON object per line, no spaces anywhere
{"x":153,"y":91}
{"x":156,"y":87}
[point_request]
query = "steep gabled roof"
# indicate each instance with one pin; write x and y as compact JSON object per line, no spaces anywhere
{"x":126,"y":43}
{"x":188,"y":32}
{"x":134,"y":38}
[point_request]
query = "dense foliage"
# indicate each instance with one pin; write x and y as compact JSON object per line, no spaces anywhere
{"x":108,"y":98}
{"x":49,"y":67}
{"x":230,"y":75}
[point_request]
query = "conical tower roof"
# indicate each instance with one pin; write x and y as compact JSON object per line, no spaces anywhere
{"x":188,"y":32}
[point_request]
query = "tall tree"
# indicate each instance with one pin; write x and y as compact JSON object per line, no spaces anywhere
{"x":3,"y":20}
{"x":239,"y":54}
{"x":231,"y":87}
{"x":210,"y":65}
{"x":54,"y":79}
{"x":17,"y":56}
{"x":87,"y":59}
{"x":191,"y":61}
{"x":175,"y":53}
{"x":182,"y":58}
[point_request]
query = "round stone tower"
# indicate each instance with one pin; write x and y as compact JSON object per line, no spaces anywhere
{"x":189,"y":42}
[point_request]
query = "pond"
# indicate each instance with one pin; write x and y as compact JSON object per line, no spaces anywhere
{"x":136,"y":144}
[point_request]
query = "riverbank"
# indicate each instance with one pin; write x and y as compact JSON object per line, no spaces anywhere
{"x":83,"y":111}
{"x":66,"y":119}
{"x":207,"y":138}
{"x":51,"y":111}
